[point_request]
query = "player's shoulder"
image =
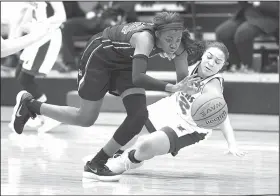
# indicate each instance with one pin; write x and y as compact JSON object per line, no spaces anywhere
{"x":192,"y":68}
{"x":143,"y":38}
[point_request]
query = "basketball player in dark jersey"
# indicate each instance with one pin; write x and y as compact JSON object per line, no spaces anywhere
{"x":115,"y":61}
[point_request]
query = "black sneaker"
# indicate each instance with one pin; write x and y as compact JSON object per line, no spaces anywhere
{"x":99,"y":171}
{"x":21,"y":113}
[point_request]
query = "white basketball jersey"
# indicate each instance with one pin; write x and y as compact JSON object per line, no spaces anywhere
{"x":185,"y":101}
{"x":177,"y":107}
{"x":39,"y":15}
{"x":55,"y":37}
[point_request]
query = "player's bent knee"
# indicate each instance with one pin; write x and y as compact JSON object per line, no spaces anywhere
{"x":85,"y":120}
{"x":88,"y":112}
{"x":142,"y":115}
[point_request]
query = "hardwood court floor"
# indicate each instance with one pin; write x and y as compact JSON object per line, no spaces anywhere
{"x":51,"y":163}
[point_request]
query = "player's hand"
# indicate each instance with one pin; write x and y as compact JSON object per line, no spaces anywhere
{"x":235,"y":152}
{"x":189,"y":84}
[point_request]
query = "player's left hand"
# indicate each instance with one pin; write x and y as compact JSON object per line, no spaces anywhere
{"x":235,"y":152}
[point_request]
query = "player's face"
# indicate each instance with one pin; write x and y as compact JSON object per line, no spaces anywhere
{"x":212,"y":61}
{"x":169,"y":41}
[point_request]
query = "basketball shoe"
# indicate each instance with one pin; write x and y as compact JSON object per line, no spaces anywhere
{"x":21,"y":113}
{"x":122,"y":163}
{"x":99,"y":171}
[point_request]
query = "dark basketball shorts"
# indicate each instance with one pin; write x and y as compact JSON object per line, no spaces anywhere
{"x":102,"y":71}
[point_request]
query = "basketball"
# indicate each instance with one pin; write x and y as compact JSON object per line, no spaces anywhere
{"x":209,"y":110}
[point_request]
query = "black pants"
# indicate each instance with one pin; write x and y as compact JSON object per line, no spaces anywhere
{"x":239,"y":37}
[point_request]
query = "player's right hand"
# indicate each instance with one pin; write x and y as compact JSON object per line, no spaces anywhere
{"x":189,"y":84}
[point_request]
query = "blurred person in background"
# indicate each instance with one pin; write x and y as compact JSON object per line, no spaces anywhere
{"x":104,"y":14}
{"x":73,"y":9}
{"x":39,"y":58}
{"x":17,"y":33}
{"x":238,"y":33}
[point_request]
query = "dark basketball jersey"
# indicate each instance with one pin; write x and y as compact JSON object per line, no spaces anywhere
{"x":117,"y":38}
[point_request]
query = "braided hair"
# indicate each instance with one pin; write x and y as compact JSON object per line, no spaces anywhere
{"x":194,"y":48}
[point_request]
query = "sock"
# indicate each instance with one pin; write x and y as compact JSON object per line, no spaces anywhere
{"x":132,"y":158}
{"x":101,"y":156}
{"x":34,"y":106}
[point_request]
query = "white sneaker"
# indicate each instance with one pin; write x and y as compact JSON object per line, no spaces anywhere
{"x":122,"y":163}
{"x":48,"y":125}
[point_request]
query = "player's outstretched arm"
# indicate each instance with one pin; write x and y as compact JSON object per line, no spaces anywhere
{"x":214,"y":86}
{"x":14,"y":45}
{"x":228,"y":133}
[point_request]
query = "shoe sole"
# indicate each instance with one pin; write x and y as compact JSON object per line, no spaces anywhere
{"x":89,"y":175}
{"x":18,"y":99}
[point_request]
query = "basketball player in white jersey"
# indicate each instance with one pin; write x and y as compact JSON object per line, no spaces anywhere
{"x":17,"y":24}
{"x":171,"y":125}
{"x":39,"y":58}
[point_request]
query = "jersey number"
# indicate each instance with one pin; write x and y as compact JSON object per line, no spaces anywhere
{"x":184,"y":105}
{"x":132,"y":27}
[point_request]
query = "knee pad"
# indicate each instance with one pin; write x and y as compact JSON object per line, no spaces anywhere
{"x":139,"y":118}
{"x":137,"y":115}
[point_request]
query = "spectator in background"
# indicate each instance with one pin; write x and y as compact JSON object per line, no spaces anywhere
{"x":238,"y":33}
{"x":104,"y":14}
{"x":73,"y":9}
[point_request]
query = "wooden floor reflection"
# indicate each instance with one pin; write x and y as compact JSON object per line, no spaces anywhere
{"x":51,"y":164}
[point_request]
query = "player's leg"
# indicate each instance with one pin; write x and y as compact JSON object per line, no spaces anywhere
{"x":143,"y":132}
{"x":93,"y":85}
{"x":49,"y":58}
{"x":146,"y":147}
{"x":167,"y":140}
{"x":33,"y":58}
{"x":133,"y":141}
{"x":134,"y":100}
